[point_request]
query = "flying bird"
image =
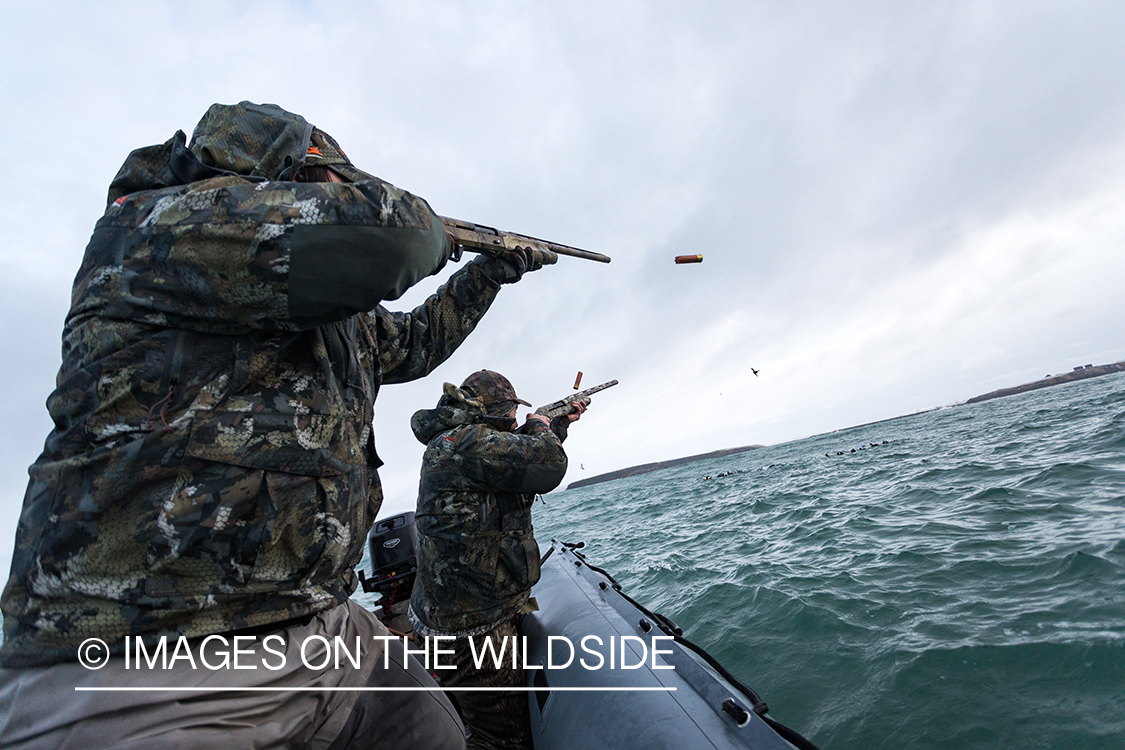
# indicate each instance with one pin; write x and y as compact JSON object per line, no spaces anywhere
{"x":754,"y":371}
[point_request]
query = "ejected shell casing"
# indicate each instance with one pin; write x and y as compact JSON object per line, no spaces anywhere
{"x":578,"y":380}
{"x":689,"y":258}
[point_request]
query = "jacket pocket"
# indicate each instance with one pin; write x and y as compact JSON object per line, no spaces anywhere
{"x":307,"y":444}
{"x":517,"y":568}
{"x":261,"y":499}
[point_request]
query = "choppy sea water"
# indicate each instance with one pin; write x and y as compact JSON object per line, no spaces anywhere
{"x":956,"y":582}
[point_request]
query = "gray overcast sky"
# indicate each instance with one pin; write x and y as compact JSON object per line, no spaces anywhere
{"x":900,"y":205}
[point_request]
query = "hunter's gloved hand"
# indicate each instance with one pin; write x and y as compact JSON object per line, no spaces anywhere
{"x":513,"y":264}
{"x":533,"y":259}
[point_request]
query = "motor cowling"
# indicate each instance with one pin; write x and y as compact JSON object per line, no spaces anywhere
{"x":394,"y":560}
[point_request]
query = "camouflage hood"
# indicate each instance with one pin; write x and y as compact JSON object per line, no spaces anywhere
{"x":455,"y":408}
{"x":253,"y":140}
{"x":261,"y":141}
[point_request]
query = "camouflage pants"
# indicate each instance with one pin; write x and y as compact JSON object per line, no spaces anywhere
{"x":498,"y":720}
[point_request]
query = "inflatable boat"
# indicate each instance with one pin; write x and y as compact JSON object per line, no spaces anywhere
{"x":603,"y":671}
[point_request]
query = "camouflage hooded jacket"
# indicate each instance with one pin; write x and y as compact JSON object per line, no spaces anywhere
{"x":212,"y":464}
{"x":477,"y":555}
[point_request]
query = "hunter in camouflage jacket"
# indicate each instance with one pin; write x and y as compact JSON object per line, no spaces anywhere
{"x":477,"y":555}
{"x":212,"y":465}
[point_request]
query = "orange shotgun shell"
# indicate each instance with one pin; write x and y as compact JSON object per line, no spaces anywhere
{"x":689,"y":259}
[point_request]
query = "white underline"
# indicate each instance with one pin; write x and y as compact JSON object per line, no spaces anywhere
{"x":371,"y":689}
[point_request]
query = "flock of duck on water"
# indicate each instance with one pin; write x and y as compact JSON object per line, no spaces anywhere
{"x":861,"y":448}
{"x":763,"y":468}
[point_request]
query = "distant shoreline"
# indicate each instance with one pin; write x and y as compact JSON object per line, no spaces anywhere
{"x":1078,"y":373}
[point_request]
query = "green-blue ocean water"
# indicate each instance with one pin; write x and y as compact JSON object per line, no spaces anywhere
{"x":956,"y":582}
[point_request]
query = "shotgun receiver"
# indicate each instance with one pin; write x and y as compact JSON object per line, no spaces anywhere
{"x":565,"y":405}
{"x":481,"y":239}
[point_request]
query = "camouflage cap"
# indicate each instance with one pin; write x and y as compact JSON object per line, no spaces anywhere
{"x":491,"y":388}
{"x":323,"y":151}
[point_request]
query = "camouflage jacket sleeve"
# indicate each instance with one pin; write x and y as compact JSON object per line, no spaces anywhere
{"x":492,"y":461}
{"x":413,"y":344}
{"x":227,"y":255}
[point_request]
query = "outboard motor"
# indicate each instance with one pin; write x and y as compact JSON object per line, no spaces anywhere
{"x":394,"y":564}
